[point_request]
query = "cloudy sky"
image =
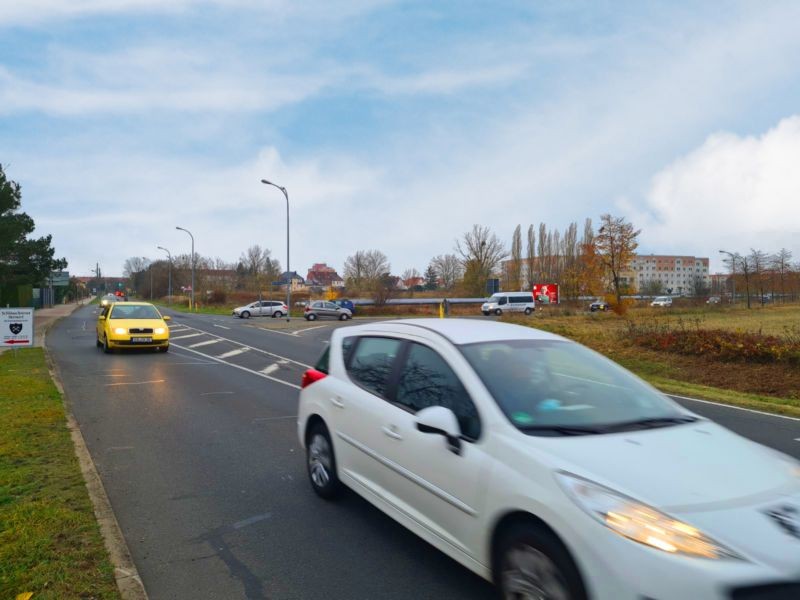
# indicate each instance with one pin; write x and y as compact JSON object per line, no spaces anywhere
{"x":397,"y":125}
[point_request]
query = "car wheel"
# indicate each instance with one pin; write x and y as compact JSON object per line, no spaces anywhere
{"x":531,"y":562}
{"x":246,"y":314}
{"x":498,"y":312}
{"x":106,"y":347}
{"x":321,"y":463}
{"x":528,"y":311}
{"x":98,"y":342}
{"x":343,"y":317}
{"x":485,"y":313}
{"x":311,"y":317}
{"x":165,"y":348}
{"x":277,"y":314}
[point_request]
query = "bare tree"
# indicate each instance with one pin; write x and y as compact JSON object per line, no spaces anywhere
{"x":513,"y":271}
{"x":481,"y":253}
{"x":781,"y":264}
{"x":363,"y":269}
{"x":616,"y":245}
{"x":448,"y":269}
{"x":758,"y":263}
{"x":530,"y":257}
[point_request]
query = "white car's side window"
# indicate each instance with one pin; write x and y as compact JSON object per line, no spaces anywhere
{"x":372,"y":362}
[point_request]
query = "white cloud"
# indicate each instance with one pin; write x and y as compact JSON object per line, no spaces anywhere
{"x":732,"y":193}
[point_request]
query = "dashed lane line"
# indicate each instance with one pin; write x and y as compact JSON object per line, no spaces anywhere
{"x":235,"y":352}
{"x":241,"y":368}
{"x":205,"y":343}
{"x":188,"y":335}
{"x":220,"y":326}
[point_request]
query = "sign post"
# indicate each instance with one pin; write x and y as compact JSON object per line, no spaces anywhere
{"x":16,"y":327}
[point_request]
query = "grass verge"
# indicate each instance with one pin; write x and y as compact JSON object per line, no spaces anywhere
{"x":50,"y":542}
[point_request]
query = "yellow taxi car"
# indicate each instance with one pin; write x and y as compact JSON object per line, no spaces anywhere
{"x":132,"y":325}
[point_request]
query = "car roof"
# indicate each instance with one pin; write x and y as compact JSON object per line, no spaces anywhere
{"x":460,"y":331}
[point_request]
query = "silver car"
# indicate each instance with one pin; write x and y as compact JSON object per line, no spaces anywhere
{"x":262,"y":308}
{"x":323,"y":308}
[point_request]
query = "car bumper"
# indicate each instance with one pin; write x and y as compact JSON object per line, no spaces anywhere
{"x":615,"y":567}
{"x":126,"y":342}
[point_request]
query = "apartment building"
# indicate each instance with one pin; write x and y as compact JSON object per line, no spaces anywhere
{"x":681,"y":275}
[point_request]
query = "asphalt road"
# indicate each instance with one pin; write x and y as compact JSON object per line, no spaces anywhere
{"x":198,"y":452}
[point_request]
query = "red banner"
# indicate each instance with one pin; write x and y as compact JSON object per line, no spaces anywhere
{"x":545,"y":293}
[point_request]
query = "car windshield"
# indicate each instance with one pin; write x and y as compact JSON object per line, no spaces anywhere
{"x":134,"y":311}
{"x":551,"y":387}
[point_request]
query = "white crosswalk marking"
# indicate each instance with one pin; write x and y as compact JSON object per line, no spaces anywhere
{"x":205,"y":343}
{"x":270,"y":369}
{"x":188,"y":335}
{"x":233,"y":353}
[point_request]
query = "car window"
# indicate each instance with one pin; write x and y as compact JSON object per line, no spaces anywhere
{"x":372,"y":362}
{"x":322,"y":363}
{"x":427,"y":380}
{"x":503,"y":300}
{"x":133,"y":311}
{"x":555,"y":383}
{"x":330,"y":305}
{"x":316,"y":305}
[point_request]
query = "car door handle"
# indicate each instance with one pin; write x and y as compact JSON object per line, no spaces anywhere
{"x":391,"y":431}
{"x":337,"y":402}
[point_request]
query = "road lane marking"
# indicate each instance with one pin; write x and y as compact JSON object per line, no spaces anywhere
{"x":268,"y":330}
{"x":235,"y":366}
{"x":206,"y":343}
{"x":188,"y":335}
{"x":299,"y":331}
{"x":221,"y":326}
{"x":136,"y":382}
{"x":270,"y":369}
{"x":215,"y":393}
{"x":251,"y":520}
{"x":758,"y":412}
{"x":267,"y":352}
{"x":235,"y":352}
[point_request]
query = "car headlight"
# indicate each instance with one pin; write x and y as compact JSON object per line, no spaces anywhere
{"x":159,"y":330}
{"x":640,"y":522}
{"x":120,"y":331}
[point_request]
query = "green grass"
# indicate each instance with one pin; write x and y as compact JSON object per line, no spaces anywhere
{"x":50,"y":542}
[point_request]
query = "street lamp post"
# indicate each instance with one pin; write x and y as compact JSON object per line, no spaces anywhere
{"x":169,"y":274}
{"x":733,"y":274}
{"x":191,"y":236}
{"x":288,"y":270}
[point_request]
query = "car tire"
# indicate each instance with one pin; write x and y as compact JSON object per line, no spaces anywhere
{"x":277,"y":314}
{"x":343,"y":317}
{"x":106,"y":347}
{"x":311,"y":317}
{"x":165,"y":348}
{"x":485,"y":313}
{"x":99,"y":343}
{"x":528,"y":310}
{"x":245,"y":314}
{"x":530,"y":561}
{"x":498,"y":312}
{"x":321,"y":463}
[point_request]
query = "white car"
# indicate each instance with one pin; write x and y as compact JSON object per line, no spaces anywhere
{"x":261,"y":308}
{"x":663,"y":301}
{"x":545,"y":467}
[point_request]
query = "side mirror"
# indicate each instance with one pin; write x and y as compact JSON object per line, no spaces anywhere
{"x":441,"y":421}
{"x":101,"y":318}
{"x":167,"y":318}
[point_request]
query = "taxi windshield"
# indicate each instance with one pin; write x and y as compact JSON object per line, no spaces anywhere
{"x":134,"y":311}
{"x":551,"y":386}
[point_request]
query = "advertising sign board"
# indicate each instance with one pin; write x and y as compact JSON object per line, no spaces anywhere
{"x":16,"y":327}
{"x":545,"y":293}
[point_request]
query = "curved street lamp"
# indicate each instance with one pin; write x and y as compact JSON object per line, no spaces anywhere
{"x":169,"y":277}
{"x":191,"y":307}
{"x":288,"y":270}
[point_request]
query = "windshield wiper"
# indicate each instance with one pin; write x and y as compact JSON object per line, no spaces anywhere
{"x":559,"y":429}
{"x":651,"y":423}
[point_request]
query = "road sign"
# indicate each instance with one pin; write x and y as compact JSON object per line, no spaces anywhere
{"x":16,"y":327}
{"x":59,"y":278}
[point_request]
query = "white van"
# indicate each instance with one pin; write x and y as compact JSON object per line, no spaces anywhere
{"x":509,"y":302}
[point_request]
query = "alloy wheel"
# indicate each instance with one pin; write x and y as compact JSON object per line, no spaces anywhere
{"x":529,"y":574}
{"x":319,"y":460}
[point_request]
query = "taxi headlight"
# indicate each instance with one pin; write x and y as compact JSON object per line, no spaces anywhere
{"x":120,"y":331}
{"x":640,"y":522}
{"x":159,"y":330}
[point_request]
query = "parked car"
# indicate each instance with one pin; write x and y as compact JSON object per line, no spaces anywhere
{"x":599,"y":305}
{"x":324,"y":308}
{"x":545,"y":467}
{"x":132,"y":325}
{"x":663,"y":301}
{"x":345,"y":303}
{"x":502,"y":302}
{"x":713,"y":300}
{"x":262,"y":308}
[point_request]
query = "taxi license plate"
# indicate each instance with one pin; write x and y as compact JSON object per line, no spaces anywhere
{"x":141,"y":340}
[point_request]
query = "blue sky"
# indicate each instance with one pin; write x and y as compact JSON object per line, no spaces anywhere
{"x":397,"y":125}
